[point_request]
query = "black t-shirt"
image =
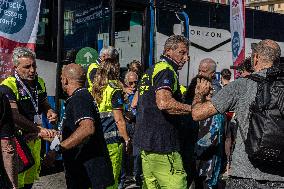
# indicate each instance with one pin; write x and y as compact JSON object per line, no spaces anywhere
{"x":24,"y":102}
{"x":164,"y":80}
{"x":78,"y":107}
{"x":156,"y":131}
{"x":6,"y":119}
{"x":117,"y":100}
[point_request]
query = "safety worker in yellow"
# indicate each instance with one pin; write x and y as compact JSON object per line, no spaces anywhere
{"x":107,"y":92}
{"x":158,"y":110}
{"x":28,"y":99}
{"x":106,"y":52}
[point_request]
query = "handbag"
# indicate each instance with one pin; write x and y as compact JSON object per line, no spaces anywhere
{"x":25,"y":158}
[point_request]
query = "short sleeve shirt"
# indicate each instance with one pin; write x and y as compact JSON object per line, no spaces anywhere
{"x":156,"y":130}
{"x":237,"y":96}
{"x":117,"y":100}
{"x":78,"y":107}
{"x":24,"y":103}
{"x":164,"y":80}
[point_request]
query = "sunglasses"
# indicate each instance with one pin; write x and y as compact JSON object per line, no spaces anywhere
{"x":132,"y":82}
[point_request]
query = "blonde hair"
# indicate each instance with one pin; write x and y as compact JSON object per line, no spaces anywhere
{"x":108,"y":70}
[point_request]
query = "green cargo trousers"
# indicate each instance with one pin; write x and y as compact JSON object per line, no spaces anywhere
{"x":115,"y":154}
{"x":163,"y":171}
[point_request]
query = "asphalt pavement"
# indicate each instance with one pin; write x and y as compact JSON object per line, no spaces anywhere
{"x":57,"y":181}
{"x":53,"y":181}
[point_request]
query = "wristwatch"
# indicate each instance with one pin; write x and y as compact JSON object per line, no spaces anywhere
{"x":58,"y":148}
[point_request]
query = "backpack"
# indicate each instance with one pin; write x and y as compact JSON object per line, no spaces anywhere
{"x":265,"y":138}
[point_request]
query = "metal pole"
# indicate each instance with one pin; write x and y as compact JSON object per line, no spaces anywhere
{"x":145,"y":38}
{"x":60,"y":35}
{"x":152,"y":30}
{"x":112,"y":33}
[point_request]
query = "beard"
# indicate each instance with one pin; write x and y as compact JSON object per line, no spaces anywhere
{"x":28,"y":77}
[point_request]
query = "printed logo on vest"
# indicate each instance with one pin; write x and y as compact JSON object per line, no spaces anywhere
{"x":166,"y":81}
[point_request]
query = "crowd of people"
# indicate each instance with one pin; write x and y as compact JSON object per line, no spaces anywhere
{"x":144,"y":122}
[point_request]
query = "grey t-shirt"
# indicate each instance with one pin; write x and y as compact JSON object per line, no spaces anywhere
{"x":237,"y":96}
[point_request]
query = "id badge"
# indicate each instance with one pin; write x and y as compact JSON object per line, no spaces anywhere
{"x":38,"y":119}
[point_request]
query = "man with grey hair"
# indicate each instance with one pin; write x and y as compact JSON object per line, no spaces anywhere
{"x":28,"y":99}
{"x":238,"y":96}
{"x":106,"y":52}
{"x":207,"y":68}
{"x":157,"y":121}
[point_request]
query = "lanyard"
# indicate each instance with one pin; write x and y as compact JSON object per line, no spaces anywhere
{"x":34,"y":101}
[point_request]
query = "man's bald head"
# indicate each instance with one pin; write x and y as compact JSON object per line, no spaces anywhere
{"x":210,"y":63}
{"x":74,"y":73}
{"x":207,"y":68}
{"x":268,"y":50}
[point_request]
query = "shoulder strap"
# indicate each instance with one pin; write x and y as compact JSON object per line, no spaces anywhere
{"x":256,"y":77}
{"x":263,"y":95}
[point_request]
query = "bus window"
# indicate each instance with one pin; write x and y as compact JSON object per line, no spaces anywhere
{"x":128,"y":36}
{"x":84,"y":21}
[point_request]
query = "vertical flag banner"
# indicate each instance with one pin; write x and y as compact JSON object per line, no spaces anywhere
{"x":237,"y":23}
{"x":18,"y":27}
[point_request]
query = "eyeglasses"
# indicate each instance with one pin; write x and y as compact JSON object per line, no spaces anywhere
{"x":132,"y":82}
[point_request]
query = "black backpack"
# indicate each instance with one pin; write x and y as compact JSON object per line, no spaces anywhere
{"x":265,"y":138}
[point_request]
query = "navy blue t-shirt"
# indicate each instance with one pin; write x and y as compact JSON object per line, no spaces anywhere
{"x":156,"y":130}
{"x":24,"y":103}
{"x":78,"y":107}
{"x":117,"y":100}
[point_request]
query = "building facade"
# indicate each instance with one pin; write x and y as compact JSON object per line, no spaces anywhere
{"x":276,"y":6}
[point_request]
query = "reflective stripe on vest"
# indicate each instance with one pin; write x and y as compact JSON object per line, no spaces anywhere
{"x":12,"y":84}
{"x":105,"y":114}
{"x":105,"y":105}
{"x":91,"y":67}
{"x":162,"y":66}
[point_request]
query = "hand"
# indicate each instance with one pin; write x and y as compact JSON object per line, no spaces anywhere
{"x":46,"y":133}
{"x":51,"y":116}
{"x":129,"y":117}
{"x":203,"y":87}
{"x":128,"y":90}
{"x":30,"y":136}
